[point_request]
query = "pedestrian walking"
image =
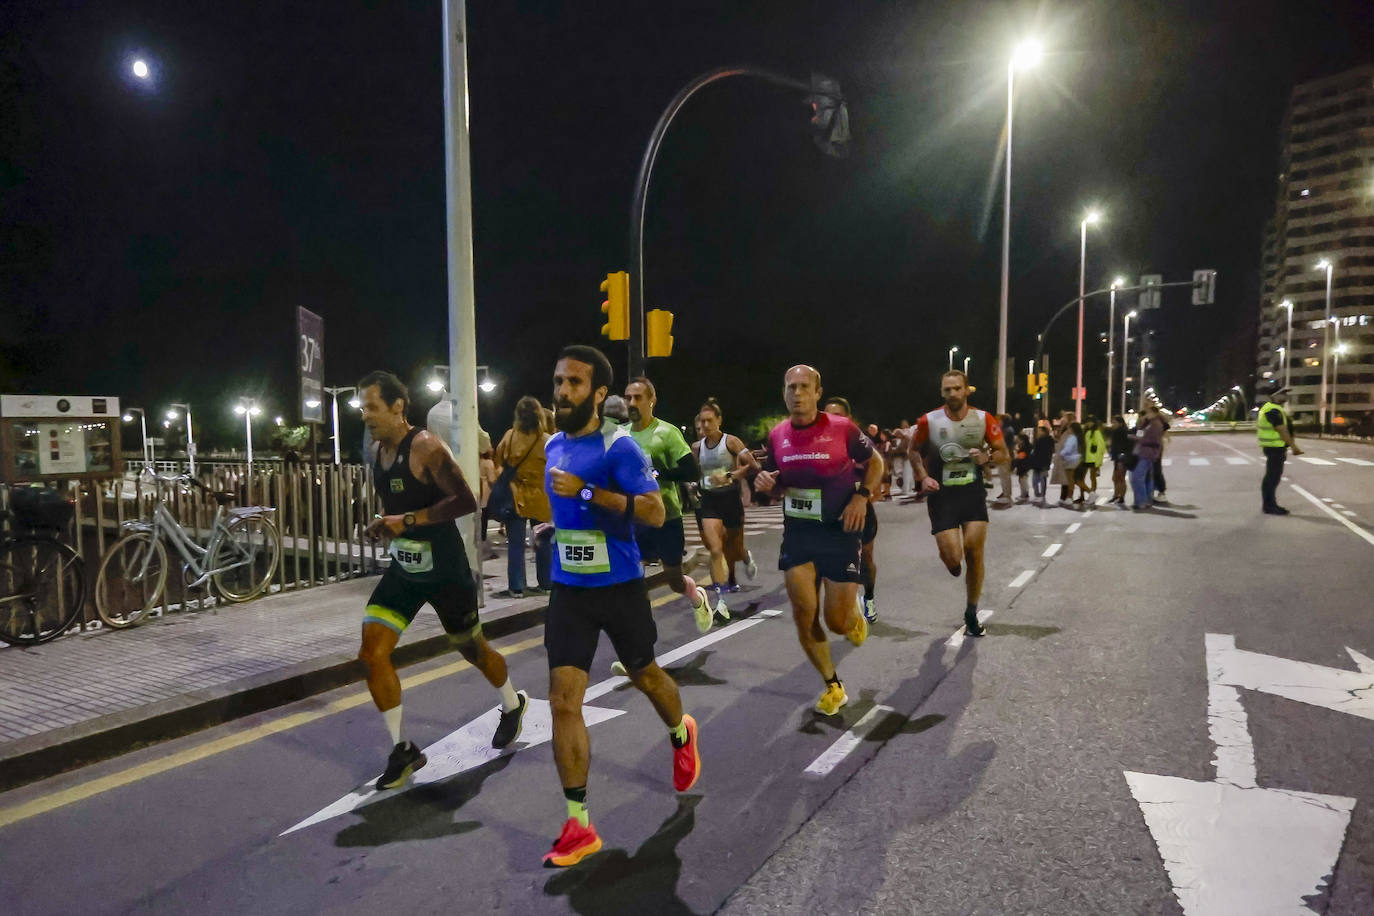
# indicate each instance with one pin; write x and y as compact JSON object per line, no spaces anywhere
{"x":1041,"y":459}
{"x":1069,"y":454}
{"x":519,"y":488}
{"x":1275,"y":439}
{"x":1149,"y":438}
{"x":901,"y":469}
{"x":1094,"y":450}
{"x":1004,"y":471}
{"x":1120,"y":448}
{"x":1021,"y":464}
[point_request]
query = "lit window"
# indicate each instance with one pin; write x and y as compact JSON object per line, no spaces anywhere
{"x":1305,"y":193}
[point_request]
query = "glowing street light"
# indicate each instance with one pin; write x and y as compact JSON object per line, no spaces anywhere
{"x":1326,"y":265}
{"x":1024,"y":56}
{"x":143,"y":425}
{"x":334,"y":410}
{"x":1288,"y":340}
{"x":967,"y":360}
{"x":952,"y":351}
{"x":248,"y":409}
{"x":487,"y":385}
{"x":140,"y":69}
{"x":1111,"y":342}
{"x":1090,"y":218}
{"x":1144,"y":361}
{"x":1125,"y":354}
{"x":190,"y":437}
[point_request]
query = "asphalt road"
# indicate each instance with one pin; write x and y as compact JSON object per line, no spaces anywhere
{"x":982,"y":776}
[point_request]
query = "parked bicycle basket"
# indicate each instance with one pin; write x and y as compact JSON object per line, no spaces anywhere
{"x":41,"y":508}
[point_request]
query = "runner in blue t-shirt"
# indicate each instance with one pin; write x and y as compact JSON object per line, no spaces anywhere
{"x":600,"y":485}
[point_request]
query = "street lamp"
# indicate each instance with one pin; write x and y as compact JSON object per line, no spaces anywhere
{"x":143,"y":425}
{"x":952,"y":351}
{"x":1091,"y":217}
{"x":1283,"y":361}
{"x":248,"y":409}
{"x":1326,"y":265}
{"x":1125,"y":354}
{"x":1026,"y":54}
{"x":1287,"y":341}
{"x":487,"y":385}
{"x":334,"y":408}
{"x":1144,"y":361}
{"x":190,"y":438}
{"x":967,"y":359}
{"x":1111,"y":342}
{"x":140,"y":69}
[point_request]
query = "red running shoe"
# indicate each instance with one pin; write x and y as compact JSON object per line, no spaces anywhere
{"x":687,"y":759}
{"x":573,"y":845}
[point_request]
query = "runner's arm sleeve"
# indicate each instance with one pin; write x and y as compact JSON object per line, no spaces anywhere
{"x":684,"y":471}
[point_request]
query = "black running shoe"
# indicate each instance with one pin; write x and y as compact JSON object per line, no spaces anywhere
{"x":1275,"y":510}
{"x":405,"y":759}
{"x":971,"y":625}
{"x":508,"y":729}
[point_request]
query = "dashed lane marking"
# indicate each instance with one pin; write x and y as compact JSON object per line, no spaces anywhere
{"x":1025,"y":576}
{"x":847,"y":742}
{"x":1369,"y":538}
{"x":1072,"y":528}
{"x":958,"y":638}
{"x":1051,"y":550}
{"x":1319,"y":461}
{"x":1349,"y":513}
{"x":1236,"y":459}
{"x":1199,"y":462}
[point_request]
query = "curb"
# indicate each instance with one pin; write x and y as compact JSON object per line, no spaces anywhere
{"x":60,"y":750}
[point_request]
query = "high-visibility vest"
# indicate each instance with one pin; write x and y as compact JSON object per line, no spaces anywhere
{"x":1268,"y":434}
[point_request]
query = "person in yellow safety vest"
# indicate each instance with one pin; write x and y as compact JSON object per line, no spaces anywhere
{"x":1094,"y":448}
{"x":1275,"y":439}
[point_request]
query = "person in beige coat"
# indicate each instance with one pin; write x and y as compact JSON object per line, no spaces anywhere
{"x":520,"y":456}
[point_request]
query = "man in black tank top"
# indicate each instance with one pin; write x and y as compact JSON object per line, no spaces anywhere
{"x":422,"y":492}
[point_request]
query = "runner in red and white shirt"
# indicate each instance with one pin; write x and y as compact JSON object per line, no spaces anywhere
{"x":948,"y":449}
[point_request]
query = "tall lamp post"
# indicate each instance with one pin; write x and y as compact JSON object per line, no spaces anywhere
{"x":1026,"y":55}
{"x":1144,"y":361}
{"x":952,"y":351}
{"x":1111,"y":343}
{"x":334,"y":409}
{"x":1125,"y":355}
{"x":143,"y":425}
{"x":1325,"y":264}
{"x":190,"y":437}
{"x":248,"y":409}
{"x":1287,"y":347}
{"x":1091,"y":217}
{"x":967,"y":360}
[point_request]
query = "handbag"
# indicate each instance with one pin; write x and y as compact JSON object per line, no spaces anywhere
{"x":501,"y":502}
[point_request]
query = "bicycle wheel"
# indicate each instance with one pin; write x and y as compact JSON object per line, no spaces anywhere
{"x":42,"y":589}
{"x":132,"y":575}
{"x":252,"y":547}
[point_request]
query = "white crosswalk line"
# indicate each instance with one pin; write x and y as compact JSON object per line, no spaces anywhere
{"x":1198,"y":462}
{"x":1025,"y":576}
{"x":1236,"y":459}
{"x":1320,"y":461}
{"x":1168,"y":462}
{"x":1358,"y":462}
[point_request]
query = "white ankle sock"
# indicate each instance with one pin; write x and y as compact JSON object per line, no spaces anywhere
{"x":392,"y":718}
{"x":509,"y":700}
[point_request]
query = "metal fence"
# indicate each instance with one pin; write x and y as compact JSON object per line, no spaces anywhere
{"x":322,"y":512}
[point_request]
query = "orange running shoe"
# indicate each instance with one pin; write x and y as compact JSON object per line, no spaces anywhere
{"x":573,"y":845}
{"x":687,"y":759}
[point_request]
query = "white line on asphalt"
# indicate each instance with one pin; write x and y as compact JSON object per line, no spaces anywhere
{"x":1234,"y":449}
{"x":1327,"y":499}
{"x":1332,"y":512}
{"x":1334,"y":505}
{"x":1051,"y":550}
{"x":1168,"y":462}
{"x":1349,"y":513}
{"x":1022,"y":578}
{"x":1358,"y":462}
{"x":1232,"y":459}
{"x":1198,"y":462}
{"x":1103,"y":500}
{"x":851,"y":739}
{"x":1072,"y":528}
{"x":958,"y":638}
{"x":1320,"y":461}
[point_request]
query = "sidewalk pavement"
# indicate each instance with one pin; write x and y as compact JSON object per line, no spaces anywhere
{"x":94,"y":695}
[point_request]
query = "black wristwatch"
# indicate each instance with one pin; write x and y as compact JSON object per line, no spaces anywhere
{"x":408,"y":519}
{"x":862,"y":490}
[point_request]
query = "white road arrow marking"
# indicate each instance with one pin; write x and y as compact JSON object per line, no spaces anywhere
{"x":470,"y":746}
{"x":1231,"y":846}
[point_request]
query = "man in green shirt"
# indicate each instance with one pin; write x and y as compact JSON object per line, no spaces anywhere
{"x":673,"y":463}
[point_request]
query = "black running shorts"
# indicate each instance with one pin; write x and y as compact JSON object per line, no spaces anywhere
{"x":834,"y":550}
{"x":397,"y":599}
{"x":577,"y":617}
{"x":726,"y":506}
{"x":870,"y":525}
{"x":666,"y":544}
{"x":953,"y":507}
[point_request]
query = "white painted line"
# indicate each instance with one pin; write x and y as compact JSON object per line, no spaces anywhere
{"x":1234,"y":449}
{"x":1072,"y":528}
{"x":1103,"y":500}
{"x":847,"y":742}
{"x":1358,"y":462}
{"x":1363,"y":662}
{"x":1051,"y":550}
{"x":1369,"y":538}
{"x":1025,"y":576}
{"x":1233,"y":459}
{"x":1168,"y":462}
{"x":1198,"y":462}
{"x":1327,"y":499}
{"x":1350,"y":692}
{"x":958,"y":638}
{"x":1347,"y":513}
{"x":1226,"y":720}
{"x":1334,"y":505}
{"x":1320,"y":461}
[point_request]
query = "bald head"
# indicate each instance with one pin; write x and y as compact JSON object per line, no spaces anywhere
{"x":809,"y":371}
{"x":801,"y":391}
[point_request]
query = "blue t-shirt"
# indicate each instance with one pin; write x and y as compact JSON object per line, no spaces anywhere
{"x":593,"y":547}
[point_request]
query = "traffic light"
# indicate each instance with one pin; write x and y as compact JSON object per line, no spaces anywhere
{"x":660,"y":341}
{"x":616,"y":286}
{"x":1032,"y":384}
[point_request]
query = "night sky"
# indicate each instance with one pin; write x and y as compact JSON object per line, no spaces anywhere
{"x":156,"y":240}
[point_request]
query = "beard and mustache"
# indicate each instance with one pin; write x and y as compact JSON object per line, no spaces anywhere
{"x":573,"y":418}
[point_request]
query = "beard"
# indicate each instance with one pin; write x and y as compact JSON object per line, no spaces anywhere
{"x":955,"y":404}
{"x":634,"y":414}
{"x":572,"y":418}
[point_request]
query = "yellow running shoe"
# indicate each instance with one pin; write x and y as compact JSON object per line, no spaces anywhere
{"x":859,"y":632}
{"x":833,"y":700}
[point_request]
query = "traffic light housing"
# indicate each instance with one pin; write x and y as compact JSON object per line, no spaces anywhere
{"x":1037,"y":384}
{"x":616,"y":305}
{"x":660,"y":338}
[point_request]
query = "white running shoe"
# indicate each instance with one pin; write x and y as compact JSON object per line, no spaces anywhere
{"x":701,"y":606}
{"x":751,"y":569}
{"x":722,"y":613}
{"x":618,"y":669}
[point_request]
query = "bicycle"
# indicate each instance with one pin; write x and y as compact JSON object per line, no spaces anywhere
{"x":238,"y":559}
{"x":42,"y":580}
